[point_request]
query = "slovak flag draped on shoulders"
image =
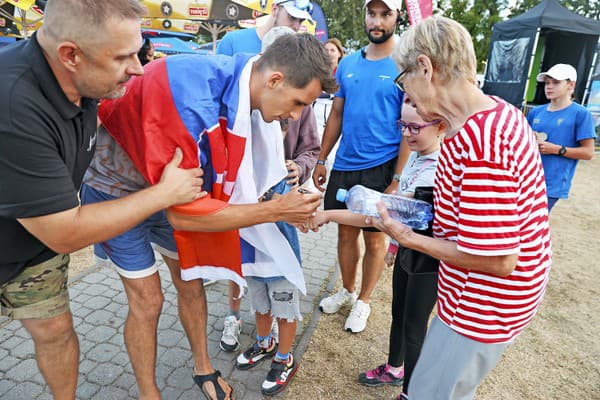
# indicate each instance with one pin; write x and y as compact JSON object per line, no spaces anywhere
{"x":202,"y":105}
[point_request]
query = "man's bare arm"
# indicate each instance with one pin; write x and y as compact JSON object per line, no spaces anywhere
{"x":331,"y":135}
{"x":293,"y":207}
{"x":73,"y":229}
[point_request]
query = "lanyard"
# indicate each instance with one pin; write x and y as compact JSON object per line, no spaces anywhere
{"x":406,"y":183}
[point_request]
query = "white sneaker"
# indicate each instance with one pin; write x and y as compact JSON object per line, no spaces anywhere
{"x":333,"y":303}
{"x":275,"y":330}
{"x":357,"y":320}
{"x":231,"y":334}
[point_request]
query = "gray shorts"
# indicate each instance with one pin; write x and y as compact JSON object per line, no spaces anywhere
{"x":451,"y":366}
{"x":280,"y":297}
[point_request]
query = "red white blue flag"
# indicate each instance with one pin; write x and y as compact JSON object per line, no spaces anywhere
{"x":202,"y":105}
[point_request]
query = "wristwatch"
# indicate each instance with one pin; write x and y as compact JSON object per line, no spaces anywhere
{"x":562,"y":151}
{"x":321,"y":162}
{"x":397,"y":177}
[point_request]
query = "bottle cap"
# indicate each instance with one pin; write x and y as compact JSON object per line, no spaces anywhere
{"x":341,"y":195}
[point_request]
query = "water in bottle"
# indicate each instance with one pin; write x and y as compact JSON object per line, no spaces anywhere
{"x":362,"y":200}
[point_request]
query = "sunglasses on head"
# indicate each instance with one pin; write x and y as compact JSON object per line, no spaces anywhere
{"x":304,"y":5}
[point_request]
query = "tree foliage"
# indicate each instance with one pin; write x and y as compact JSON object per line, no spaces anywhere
{"x":586,"y":8}
{"x":346,"y":18}
{"x":345,"y":21}
{"x":478,"y":17}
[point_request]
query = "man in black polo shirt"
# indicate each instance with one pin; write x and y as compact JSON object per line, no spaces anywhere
{"x":86,"y":50}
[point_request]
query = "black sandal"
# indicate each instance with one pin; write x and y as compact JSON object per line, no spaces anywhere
{"x":215,"y":389}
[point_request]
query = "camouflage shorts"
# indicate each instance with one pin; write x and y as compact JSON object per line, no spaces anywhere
{"x":39,"y":291}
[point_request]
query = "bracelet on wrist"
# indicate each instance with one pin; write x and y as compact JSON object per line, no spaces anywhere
{"x":321,"y":162}
{"x":397,"y":177}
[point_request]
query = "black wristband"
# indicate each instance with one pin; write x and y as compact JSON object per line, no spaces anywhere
{"x":562,"y":151}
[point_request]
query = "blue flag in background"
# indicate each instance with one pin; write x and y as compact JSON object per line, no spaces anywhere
{"x":319,"y":17}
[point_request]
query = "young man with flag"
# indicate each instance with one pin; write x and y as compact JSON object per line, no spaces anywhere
{"x":205,"y":107}
{"x":301,"y":142}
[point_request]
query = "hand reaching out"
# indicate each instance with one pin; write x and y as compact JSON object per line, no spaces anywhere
{"x":318,"y":220}
{"x":395,"y":229}
{"x":297,"y":206}
{"x":293,"y":176}
{"x":319,"y":176}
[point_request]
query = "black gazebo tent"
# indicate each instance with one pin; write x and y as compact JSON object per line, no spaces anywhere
{"x":534,"y":41}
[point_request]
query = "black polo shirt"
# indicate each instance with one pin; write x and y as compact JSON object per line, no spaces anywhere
{"x":46,"y":144}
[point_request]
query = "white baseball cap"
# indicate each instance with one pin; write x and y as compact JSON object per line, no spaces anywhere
{"x":391,"y":4}
{"x":297,"y":8}
{"x":560,"y":72}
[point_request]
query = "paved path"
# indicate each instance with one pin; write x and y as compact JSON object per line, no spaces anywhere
{"x":99,"y":307}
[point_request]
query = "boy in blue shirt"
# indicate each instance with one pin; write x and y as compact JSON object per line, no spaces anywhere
{"x":564,"y":129}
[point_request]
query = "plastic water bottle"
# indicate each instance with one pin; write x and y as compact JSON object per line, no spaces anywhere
{"x":361,"y":200}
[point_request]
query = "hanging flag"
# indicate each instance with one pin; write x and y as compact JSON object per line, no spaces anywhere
{"x":418,"y":10}
{"x":321,"y":28}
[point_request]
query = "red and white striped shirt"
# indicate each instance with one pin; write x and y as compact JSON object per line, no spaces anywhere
{"x":490,"y":198}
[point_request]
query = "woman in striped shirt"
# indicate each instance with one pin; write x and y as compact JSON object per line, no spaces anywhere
{"x":490,"y":228}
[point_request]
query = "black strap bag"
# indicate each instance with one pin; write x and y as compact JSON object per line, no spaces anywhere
{"x":412,"y":261}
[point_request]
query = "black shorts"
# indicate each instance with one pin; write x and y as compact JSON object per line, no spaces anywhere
{"x":377,"y":178}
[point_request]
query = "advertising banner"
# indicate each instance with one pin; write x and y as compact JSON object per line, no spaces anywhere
{"x":418,"y":10}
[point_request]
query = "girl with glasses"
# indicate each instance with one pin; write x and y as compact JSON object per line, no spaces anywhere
{"x":415,"y":273}
{"x":414,"y":281}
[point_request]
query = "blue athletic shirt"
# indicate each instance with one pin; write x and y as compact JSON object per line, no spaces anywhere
{"x":372,"y":105}
{"x":564,"y":127}
{"x":240,"y":41}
